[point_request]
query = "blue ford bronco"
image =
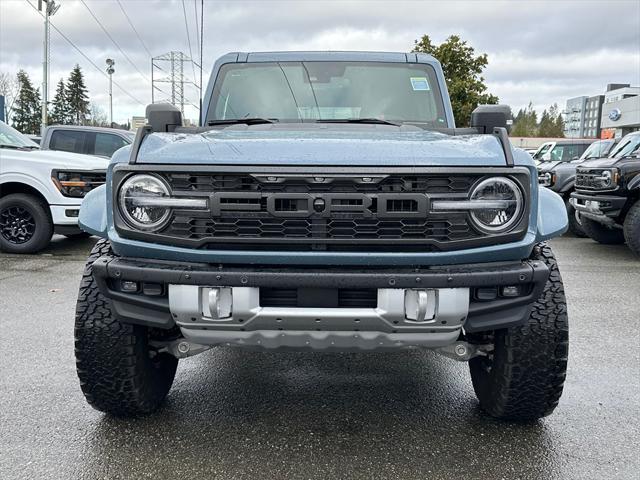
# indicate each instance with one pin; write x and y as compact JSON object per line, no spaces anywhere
{"x":326,"y":202}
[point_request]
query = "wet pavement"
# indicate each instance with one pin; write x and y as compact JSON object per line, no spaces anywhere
{"x":241,"y":414}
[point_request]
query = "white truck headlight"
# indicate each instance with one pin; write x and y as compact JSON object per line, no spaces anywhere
{"x":498,"y":204}
{"x":138,"y":201}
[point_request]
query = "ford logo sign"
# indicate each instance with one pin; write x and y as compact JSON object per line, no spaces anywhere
{"x":615,"y":114}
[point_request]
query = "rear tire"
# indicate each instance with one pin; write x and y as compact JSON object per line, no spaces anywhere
{"x":632,"y":228}
{"x":575,"y":224}
{"x":523,"y":376}
{"x":119,"y":372}
{"x":601,"y":233}
{"x":25,"y":224}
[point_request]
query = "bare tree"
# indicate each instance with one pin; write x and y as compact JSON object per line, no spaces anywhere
{"x":9,"y":88}
{"x":97,"y":116}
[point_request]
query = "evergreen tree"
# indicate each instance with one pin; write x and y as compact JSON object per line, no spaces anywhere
{"x":547,"y":125}
{"x":525,"y":123}
{"x":558,"y":122}
{"x":27,"y":112}
{"x":60,"y":114}
{"x":462,"y":72}
{"x":77,"y":98}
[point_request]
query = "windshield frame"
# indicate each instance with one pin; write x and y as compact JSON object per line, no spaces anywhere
{"x":621,"y":150}
{"x":16,"y":139}
{"x":442,"y":116}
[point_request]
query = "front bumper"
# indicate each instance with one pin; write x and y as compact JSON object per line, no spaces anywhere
{"x":604,"y":209}
{"x":168,"y":294}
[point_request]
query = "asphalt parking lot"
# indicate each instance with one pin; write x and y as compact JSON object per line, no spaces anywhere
{"x":240,"y":414}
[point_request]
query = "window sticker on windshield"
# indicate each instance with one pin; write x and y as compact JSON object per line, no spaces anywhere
{"x":419,"y":83}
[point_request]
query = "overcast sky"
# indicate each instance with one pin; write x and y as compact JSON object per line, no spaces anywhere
{"x":539,"y":51}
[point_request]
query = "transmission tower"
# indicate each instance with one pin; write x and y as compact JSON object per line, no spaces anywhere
{"x":169,"y":68}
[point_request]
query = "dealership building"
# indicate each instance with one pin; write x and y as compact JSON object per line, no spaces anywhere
{"x":620,"y":111}
{"x":611,"y":115}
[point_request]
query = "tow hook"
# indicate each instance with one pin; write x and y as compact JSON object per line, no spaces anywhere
{"x":463,"y":351}
{"x":182,"y":349}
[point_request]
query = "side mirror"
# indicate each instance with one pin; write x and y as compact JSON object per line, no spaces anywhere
{"x":163,"y":117}
{"x":487,"y":117}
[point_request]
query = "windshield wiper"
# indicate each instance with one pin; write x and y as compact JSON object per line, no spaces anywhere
{"x":239,"y":121}
{"x":18,"y":147}
{"x":374,"y":121}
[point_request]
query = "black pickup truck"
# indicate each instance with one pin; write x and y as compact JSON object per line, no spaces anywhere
{"x":607,"y":195}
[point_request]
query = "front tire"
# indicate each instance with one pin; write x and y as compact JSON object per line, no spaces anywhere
{"x":25,"y":224}
{"x":119,"y":372}
{"x":575,"y":224}
{"x":601,"y":233}
{"x":523,"y":376}
{"x":632,"y":228}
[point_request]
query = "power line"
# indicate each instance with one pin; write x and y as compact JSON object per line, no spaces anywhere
{"x":134,"y":28}
{"x":85,"y":57}
{"x":114,"y":42}
{"x":186,"y":26}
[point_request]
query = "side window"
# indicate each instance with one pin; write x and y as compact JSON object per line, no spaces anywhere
{"x":68,"y":141}
{"x":107,"y":143}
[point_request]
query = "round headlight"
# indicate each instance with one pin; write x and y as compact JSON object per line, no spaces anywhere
{"x":504,"y":204}
{"x":136,"y":199}
{"x":606,"y":178}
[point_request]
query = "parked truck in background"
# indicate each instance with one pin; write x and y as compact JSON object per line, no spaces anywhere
{"x":98,"y":141}
{"x":41,"y":191}
{"x":326,"y":202}
{"x":607,"y":195}
{"x":559,"y":176}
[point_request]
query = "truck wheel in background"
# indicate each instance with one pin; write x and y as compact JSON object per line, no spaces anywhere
{"x":25,"y":224}
{"x":575,"y":224}
{"x":632,"y":228}
{"x":120,"y":373}
{"x":523,"y":376}
{"x":601,"y":233}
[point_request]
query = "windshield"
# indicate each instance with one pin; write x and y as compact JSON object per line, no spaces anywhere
{"x":597,"y":149}
{"x":10,"y":137}
{"x":544,"y":148}
{"x":311,"y":91}
{"x":626,"y":146}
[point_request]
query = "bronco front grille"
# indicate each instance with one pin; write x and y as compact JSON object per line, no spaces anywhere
{"x":590,"y":180}
{"x":325,"y":211}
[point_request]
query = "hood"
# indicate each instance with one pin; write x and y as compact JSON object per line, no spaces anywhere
{"x":599,"y":163}
{"x":547,"y":166}
{"x":57,"y":159}
{"x":322,"y":144}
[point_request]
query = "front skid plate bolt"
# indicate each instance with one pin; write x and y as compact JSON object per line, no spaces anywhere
{"x":183,"y":347}
{"x":461,"y":350}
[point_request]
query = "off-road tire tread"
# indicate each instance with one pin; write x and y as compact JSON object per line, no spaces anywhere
{"x":602,"y":234}
{"x":632,"y":228}
{"x":116,"y":373}
{"x":530,"y":361}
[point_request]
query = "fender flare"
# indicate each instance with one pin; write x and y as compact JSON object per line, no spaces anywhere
{"x":552,"y":215}
{"x":93,"y":212}
{"x":35,"y":183}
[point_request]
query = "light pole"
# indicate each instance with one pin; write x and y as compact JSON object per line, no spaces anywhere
{"x":110,"y":71}
{"x":49,"y":10}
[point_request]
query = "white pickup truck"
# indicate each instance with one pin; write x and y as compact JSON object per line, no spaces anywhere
{"x":41,"y":191}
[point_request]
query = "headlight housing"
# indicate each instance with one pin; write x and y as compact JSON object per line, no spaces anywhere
{"x":497,"y":204}
{"x":77,"y":184}
{"x":607,"y":179}
{"x":547,"y":179}
{"x":138,"y":201}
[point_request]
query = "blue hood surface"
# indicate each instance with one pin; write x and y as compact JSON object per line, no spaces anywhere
{"x":314,"y":144}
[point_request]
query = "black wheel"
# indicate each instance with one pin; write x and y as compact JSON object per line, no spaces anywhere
{"x":575,"y":223}
{"x":632,"y":228}
{"x":523,"y":375}
{"x":119,"y":372}
{"x":25,"y":224}
{"x":601,"y":233}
